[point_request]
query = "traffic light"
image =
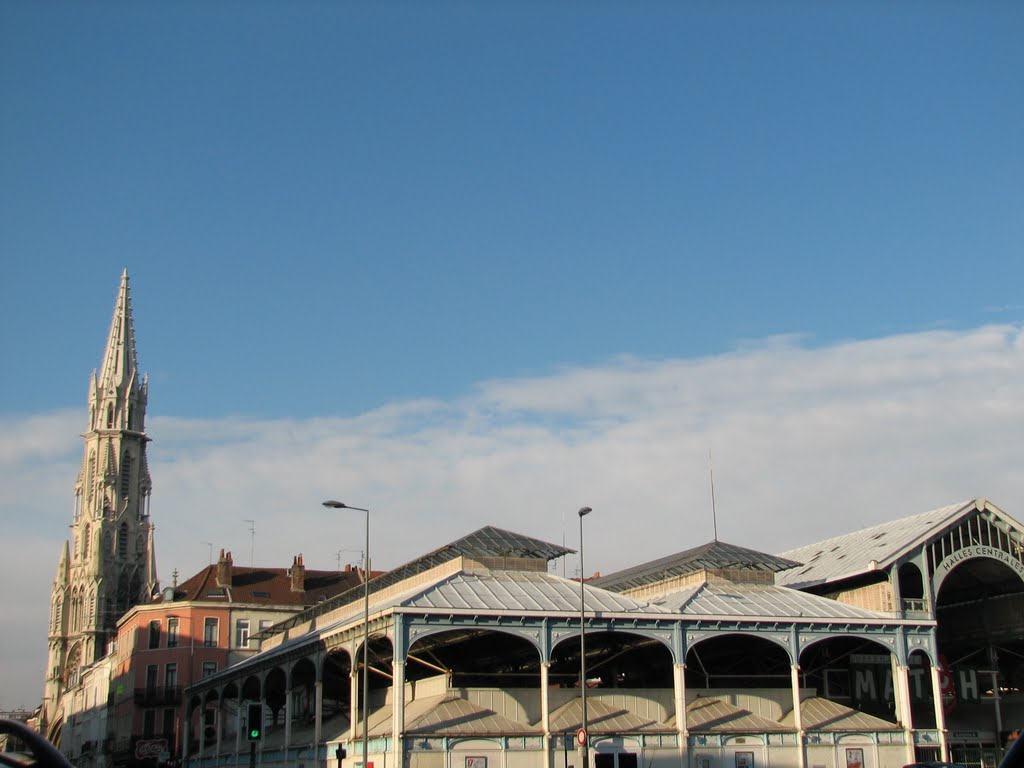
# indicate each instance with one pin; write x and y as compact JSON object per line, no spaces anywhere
{"x":255,"y":722}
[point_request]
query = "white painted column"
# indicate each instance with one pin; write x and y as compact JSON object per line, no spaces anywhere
{"x":901,"y":685}
{"x":398,"y":710}
{"x":217,"y":725}
{"x":940,"y":714}
{"x":682,"y":732}
{"x":798,"y":717}
{"x":545,"y":718}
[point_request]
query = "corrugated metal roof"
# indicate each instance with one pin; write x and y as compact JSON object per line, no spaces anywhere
{"x":705,"y":715}
{"x":449,"y":715}
{"x":720,"y":598}
{"x":518,"y":592}
{"x":715,"y":555}
{"x":853,"y":553}
{"x":602,"y":717}
{"x":823,"y":715}
{"x":485,"y":542}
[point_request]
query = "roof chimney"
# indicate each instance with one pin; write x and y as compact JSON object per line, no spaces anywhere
{"x":298,"y":574}
{"x":224,"y":566}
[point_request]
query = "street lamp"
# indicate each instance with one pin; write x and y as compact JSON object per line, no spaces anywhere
{"x":583,"y":512}
{"x":332,"y":504}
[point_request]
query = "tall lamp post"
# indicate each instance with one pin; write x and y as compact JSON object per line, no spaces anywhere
{"x":331,"y":503}
{"x":585,"y":745}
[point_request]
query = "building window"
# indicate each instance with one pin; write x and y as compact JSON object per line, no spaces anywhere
{"x":170,"y":676}
{"x":210,"y":633}
{"x":151,"y":673}
{"x":242,"y":633}
{"x":265,"y":624}
{"x":154,"y":634}
{"x":126,"y":475}
{"x":169,"y":725}
{"x":148,"y":723}
{"x":172,"y":633}
{"x":209,"y":668}
{"x":122,"y":540}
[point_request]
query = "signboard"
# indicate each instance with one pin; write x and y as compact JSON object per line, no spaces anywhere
{"x":581,"y":736}
{"x":966,"y":553}
{"x":476,"y":762}
{"x":854,"y":757}
{"x":148,"y":749}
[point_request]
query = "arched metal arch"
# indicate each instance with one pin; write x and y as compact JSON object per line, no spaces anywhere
{"x":663,"y":635}
{"x":888,"y":640}
{"x":781,"y":638}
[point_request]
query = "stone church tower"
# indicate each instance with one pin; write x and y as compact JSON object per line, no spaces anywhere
{"x":109,"y":564}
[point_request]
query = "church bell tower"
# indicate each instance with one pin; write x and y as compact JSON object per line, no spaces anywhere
{"x":109,"y":563}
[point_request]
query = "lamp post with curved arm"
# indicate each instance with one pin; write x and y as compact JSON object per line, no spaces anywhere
{"x":332,"y":504}
{"x":584,"y":746}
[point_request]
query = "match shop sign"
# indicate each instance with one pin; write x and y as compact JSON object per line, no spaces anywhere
{"x":150,"y":749}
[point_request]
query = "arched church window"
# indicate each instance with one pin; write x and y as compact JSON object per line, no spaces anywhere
{"x":110,"y":415}
{"x":92,"y":470}
{"x":126,"y":474}
{"x":122,"y":540}
{"x":85,"y":543}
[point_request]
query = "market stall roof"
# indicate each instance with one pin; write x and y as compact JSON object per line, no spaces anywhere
{"x":518,"y":592}
{"x":723,"y":598}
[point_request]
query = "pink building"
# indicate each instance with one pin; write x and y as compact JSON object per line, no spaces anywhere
{"x":190,"y":632}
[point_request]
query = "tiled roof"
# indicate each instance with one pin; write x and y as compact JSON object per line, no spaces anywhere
{"x":272,"y":586}
{"x":715,"y":555}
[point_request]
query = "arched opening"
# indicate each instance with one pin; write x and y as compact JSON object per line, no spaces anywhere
{"x":737,"y":661}
{"x":303,"y":692}
{"x":336,"y":674}
{"x":979,"y":606}
{"x":911,"y":584}
{"x":476,"y":658}
{"x":275,"y":694}
{"x":853,"y":672}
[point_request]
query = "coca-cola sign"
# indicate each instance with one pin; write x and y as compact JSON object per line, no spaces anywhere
{"x":150,"y":748}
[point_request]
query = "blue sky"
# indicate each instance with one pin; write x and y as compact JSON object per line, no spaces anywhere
{"x":462,"y":260}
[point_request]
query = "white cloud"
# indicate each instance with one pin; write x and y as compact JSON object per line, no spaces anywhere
{"x":807,"y":443}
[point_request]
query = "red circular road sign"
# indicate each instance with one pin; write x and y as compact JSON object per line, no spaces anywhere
{"x":581,"y":736}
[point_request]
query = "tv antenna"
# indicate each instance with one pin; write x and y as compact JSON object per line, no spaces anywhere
{"x":210,"y":557}
{"x":252,"y":540}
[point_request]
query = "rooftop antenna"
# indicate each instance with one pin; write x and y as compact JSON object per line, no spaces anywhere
{"x":563,"y":543}
{"x":210,"y":558}
{"x":714,"y":512}
{"x":252,"y":539}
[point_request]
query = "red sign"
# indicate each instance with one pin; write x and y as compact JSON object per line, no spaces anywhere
{"x":581,"y":736}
